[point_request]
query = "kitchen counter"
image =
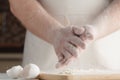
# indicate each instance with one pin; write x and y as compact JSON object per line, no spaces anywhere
{"x":99,"y":75}
{"x":3,"y":76}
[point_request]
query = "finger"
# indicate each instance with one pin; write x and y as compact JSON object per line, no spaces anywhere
{"x":90,"y":32}
{"x":68,"y":61}
{"x":78,"y":30}
{"x":89,"y":35}
{"x":77,"y":42}
{"x":66,"y":54}
{"x":64,"y":61}
{"x":83,"y":37}
{"x":60,"y":64}
{"x":86,"y":36}
{"x":60,"y":56}
{"x":61,"y":60}
{"x":72,"y":49}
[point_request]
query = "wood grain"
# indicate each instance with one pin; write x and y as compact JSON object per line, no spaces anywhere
{"x":79,"y":77}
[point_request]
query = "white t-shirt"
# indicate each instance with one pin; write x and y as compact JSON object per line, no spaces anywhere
{"x":101,"y":54}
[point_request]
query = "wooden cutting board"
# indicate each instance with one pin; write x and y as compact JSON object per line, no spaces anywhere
{"x":79,"y":77}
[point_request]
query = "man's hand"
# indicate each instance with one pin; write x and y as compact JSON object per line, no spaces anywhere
{"x":71,"y":42}
{"x":67,"y":46}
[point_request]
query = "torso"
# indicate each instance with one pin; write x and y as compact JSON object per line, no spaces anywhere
{"x":78,"y":12}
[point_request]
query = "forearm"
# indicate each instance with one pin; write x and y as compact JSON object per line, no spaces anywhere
{"x":108,"y":21}
{"x":35,"y":18}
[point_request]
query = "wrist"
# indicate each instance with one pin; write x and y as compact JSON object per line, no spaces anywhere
{"x":55,"y":34}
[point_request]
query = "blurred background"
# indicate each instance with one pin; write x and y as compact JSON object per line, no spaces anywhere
{"x":12,"y":35}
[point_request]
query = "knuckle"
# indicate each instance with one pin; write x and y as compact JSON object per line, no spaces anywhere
{"x":80,"y":43}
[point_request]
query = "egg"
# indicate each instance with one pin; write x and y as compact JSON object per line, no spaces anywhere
{"x":30,"y":71}
{"x":14,"y":72}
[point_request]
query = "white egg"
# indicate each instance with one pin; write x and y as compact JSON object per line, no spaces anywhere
{"x":14,"y":72}
{"x":30,"y":71}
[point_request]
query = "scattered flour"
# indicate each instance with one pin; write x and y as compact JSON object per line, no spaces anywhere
{"x":89,"y":72}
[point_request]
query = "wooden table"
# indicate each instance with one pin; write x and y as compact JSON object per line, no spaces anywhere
{"x":79,"y":77}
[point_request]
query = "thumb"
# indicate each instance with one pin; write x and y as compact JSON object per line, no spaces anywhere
{"x":90,"y":32}
{"x":78,"y":30}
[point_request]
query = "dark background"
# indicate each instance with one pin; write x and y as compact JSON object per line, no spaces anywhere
{"x":12,"y":33}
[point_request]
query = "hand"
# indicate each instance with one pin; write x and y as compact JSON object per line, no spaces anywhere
{"x":67,"y":46}
{"x":88,"y":34}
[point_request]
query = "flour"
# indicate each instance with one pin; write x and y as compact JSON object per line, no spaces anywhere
{"x":88,"y":72}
